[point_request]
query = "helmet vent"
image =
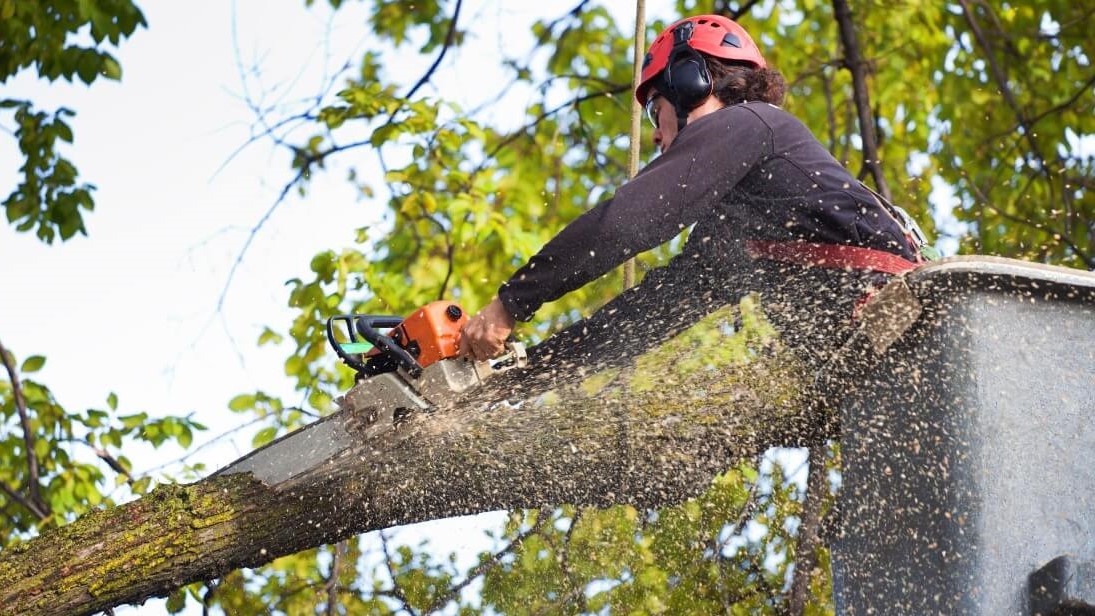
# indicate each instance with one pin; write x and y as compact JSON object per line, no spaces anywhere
{"x":731,"y":41}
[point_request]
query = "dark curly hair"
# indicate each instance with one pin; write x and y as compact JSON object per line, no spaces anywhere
{"x":735,"y":82}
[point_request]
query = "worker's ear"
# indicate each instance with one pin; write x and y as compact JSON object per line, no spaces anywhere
{"x":686,"y":74}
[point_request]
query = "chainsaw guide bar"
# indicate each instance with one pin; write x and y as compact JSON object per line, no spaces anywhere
{"x":413,"y":367}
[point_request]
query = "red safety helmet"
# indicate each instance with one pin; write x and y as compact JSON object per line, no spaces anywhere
{"x":713,"y":35}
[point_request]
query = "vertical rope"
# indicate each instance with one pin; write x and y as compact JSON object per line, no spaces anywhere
{"x":636,"y":116}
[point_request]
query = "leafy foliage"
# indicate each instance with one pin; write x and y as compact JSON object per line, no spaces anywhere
{"x":72,"y":462}
{"x":47,"y":36}
{"x":987,"y":104}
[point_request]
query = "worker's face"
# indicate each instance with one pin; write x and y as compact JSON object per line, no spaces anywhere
{"x":664,"y":118}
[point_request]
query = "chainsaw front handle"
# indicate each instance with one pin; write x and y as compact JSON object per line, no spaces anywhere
{"x":369,"y":327}
{"x":350,"y":359}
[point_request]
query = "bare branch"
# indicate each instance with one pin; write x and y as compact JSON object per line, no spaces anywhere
{"x":254,"y":232}
{"x":485,"y":566}
{"x":1062,"y":106}
{"x":854,"y":62}
{"x":449,"y":37}
{"x":982,"y":198}
{"x":817,"y":486}
{"x":830,"y":110}
{"x":331,"y":587}
{"x":397,"y":592}
{"x":207,"y":599}
{"x":41,"y":508}
{"x":113,"y":463}
{"x":1001,"y":79}
{"x":738,"y":14}
{"x":577,"y":100}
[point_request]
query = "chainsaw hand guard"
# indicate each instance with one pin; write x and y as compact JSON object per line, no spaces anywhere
{"x":368,"y":327}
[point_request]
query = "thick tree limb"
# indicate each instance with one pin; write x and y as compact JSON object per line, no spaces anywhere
{"x":647,"y":438}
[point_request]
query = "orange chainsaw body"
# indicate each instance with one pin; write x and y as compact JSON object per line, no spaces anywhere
{"x":431,"y":333}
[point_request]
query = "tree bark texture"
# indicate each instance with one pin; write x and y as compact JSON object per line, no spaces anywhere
{"x":651,"y":433}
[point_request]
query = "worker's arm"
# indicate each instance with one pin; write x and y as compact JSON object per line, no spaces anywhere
{"x":707,"y":159}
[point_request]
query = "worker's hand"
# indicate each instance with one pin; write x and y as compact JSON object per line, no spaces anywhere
{"x":484,"y":336}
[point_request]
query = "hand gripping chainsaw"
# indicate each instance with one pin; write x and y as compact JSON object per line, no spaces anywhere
{"x":413,"y":366}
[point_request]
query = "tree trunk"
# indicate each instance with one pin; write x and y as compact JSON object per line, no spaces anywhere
{"x":646,"y":434}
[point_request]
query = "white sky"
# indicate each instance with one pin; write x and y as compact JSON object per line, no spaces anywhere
{"x":130,"y":309}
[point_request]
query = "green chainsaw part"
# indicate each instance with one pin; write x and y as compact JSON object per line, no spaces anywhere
{"x":356,"y":347}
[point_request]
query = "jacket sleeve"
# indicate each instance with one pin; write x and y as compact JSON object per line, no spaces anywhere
{"x":707,"y":159}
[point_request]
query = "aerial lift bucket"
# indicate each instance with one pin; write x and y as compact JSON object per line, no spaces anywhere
{"x":968,"y":445}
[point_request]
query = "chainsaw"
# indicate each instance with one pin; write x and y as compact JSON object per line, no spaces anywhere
{"x":411,"y":367}
{"x":414,"y":366}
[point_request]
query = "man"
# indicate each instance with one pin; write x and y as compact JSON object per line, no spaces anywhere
{"x":773,"y":211}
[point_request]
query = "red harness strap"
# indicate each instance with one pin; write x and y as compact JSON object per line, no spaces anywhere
{"x":830,"y":255}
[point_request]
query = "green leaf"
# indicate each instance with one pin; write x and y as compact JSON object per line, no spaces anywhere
{"x":112,"y":401}
{"x":176,"y":601}
{"x":264,"y":436}
{"x":140,"y":486}
{"x":111,"y":69}
{"x":269,"y":336}
{"x":87,"y":67}
{"x":185,"y":437}
{"x":132,"y":421}
{"x":242,"y":402}
{"x":33,"y":363}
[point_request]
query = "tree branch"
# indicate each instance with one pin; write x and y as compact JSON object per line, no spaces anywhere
{"x":41,"y":508}
{"x":17,"y":497}
{"x":488,"y":564}
{"x":983,"y":199}
{"x":1034,"y":120}
{"x":397,"y":592}
{"x":254,"y":232}
{"x":1001,"y":79}
{"x":817,"y":486}
{"x":738,"y":14}
{"x":331,"y":586}
{"x":449,"y":37}
{"x":566,"y":449}
{"x":577,"y":100}
{"x":854,"y":62}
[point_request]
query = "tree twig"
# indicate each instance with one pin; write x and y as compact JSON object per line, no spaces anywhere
{"x":577,"y":100}
{"x":207,"y":599}
{"x":742,"y":10}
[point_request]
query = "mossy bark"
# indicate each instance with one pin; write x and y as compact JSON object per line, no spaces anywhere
{"x":649,"y":434}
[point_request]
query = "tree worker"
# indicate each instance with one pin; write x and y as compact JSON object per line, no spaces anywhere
{"x":773,"y":211}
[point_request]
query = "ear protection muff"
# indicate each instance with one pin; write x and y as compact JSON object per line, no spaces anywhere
{"x":686,"y":74}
